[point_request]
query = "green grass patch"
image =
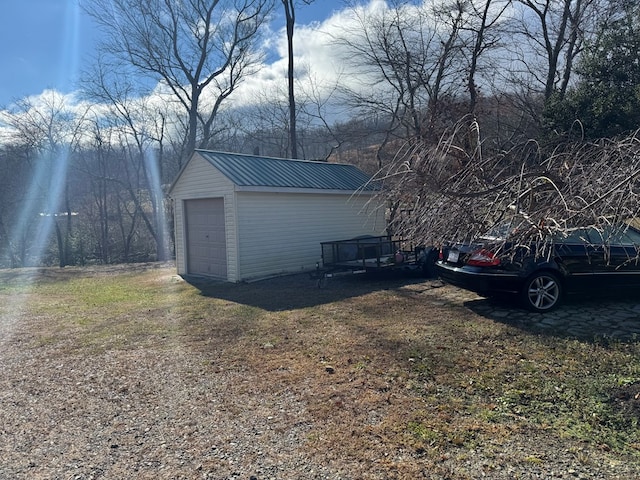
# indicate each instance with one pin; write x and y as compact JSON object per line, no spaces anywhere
{"x":433,"y":378}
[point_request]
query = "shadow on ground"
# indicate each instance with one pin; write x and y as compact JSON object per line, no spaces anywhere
{"x":25,"y":276}
{"x":598,"y":319}
{"x":300,"y":291}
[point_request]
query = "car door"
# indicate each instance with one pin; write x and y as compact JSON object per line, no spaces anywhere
{"x":574,"y":254}
{"x":617,"y":262}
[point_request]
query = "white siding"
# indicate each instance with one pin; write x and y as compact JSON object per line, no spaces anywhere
{"x":200,"y":179}
{"x":269,"y":233}
{"x":281,"y":232}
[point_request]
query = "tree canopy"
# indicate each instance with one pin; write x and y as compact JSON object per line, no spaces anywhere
{"x":408,"y":72}
{"x":605,"y":102}
{"x":449,"y":192}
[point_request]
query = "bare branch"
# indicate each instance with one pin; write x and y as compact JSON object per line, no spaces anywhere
{"x":448,"y":192}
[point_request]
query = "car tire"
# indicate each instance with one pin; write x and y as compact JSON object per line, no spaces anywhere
{"x":542,"y":292}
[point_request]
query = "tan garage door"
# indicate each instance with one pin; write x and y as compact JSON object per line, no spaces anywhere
{"x":206,"y":241}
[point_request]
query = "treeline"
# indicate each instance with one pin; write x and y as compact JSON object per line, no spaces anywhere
{"x":83,"y":179}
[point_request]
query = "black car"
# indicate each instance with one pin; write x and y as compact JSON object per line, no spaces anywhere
{"x":542,"y":273}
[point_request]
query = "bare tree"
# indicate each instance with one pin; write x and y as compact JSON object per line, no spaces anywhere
{"x":290,"y":17}
{"x":320,"y":109}
{"x":16,"y":168}
{"x":486,"y":33}
{"x":263,"y":126}
{"x":548,"y":37}
{"x":450,"y":193}
{"x":50,"y":128}
{"x":407,"y":63}
{"x":200,"y":50}
{"x":98,"y":172}
{"x":134,"y":127}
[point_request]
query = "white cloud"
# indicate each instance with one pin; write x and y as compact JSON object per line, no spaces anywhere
{"x":318,"y":58}
{"x":318,"y":61}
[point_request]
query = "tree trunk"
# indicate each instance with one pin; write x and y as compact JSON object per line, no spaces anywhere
{"x":290,"y":13}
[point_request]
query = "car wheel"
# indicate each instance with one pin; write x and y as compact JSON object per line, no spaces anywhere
{"x":542,"y":292}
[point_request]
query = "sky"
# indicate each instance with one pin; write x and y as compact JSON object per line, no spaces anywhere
{"x":45,"y":44}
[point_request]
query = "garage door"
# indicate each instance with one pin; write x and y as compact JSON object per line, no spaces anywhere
{"x":206,"y":241}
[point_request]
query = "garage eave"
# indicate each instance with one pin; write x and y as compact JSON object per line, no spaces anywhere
{"x":263,"y":189}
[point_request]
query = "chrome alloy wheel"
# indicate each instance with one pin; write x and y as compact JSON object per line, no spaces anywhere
{"x":542,"y":292}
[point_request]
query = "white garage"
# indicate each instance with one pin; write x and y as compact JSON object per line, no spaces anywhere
{"x":244,"y":217}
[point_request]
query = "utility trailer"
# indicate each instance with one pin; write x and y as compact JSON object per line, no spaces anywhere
{"x":367,"y":254}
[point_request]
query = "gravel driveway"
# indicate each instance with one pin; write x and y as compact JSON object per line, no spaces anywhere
{"x":193,"y":406}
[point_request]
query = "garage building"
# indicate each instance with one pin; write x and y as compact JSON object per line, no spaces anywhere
{"x":244,"y":217}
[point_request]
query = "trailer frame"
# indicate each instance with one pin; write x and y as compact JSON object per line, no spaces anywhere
{"x":366,"y":254}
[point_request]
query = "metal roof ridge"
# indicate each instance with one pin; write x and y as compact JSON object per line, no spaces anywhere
{"x":267,"y":157}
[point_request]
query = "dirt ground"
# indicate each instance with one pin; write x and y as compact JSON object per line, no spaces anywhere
{"x":133,"y":372}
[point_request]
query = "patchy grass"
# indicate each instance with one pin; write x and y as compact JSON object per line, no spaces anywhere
{"x":393,"y":372}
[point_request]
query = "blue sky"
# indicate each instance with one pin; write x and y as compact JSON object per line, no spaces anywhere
{"x":37,"y":46}
{"x":46,"y":43}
